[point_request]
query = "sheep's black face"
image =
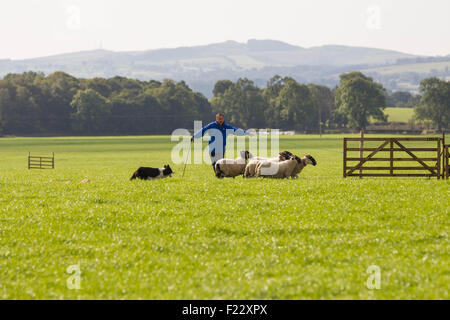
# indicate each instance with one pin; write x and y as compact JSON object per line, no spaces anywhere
{"x":286,"y":154}
{"x":245,"y":155}
{"x":313,"y":161}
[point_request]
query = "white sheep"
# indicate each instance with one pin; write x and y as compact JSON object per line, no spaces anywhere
{"x":230,"y":167}
{"x":301,"y":162}
{"x":250,"y":168}
{"x":281,"y":169}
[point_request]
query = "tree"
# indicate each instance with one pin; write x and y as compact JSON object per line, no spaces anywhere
{"x":398,"y":99}
{"x":135,"y":114}
{"x":19,"y":112}
{"x":100,"y":85}
{"x":180,"y":106}
{"x":242,"y":103}
{"x":402,"y":99}
{"x":5,"y":102}
{"x":221,"y":86}
{"x":270,"y":94}
{"x":91,"y":112}
{"x":32,"y":103}
{"x":296,"y":104}
{"x":19,"y":103}
{"x":58,"y":90}
{"x":360,"y":98}
{"x":435,"y":102}
{"x":324,"y":104}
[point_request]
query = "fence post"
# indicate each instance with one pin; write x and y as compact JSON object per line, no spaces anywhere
{"x":391,"y":146}
{"x":29,"y":154}
{"x":345,"y":157}
{"x":447,"y":168}
{"x":443,"y":154}
{"x":438,"y":159}
{"x":361,"y":152}
{"x":53,"y":160}
{"x":444,"y":163}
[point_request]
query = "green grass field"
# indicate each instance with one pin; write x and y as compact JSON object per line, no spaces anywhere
{"x":399,"y":114}
{"x":394,"y":114}
{"x":198,"y":237}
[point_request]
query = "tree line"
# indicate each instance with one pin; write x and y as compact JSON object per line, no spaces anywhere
{"x":60,"y":104}
{"x":31,"y":103}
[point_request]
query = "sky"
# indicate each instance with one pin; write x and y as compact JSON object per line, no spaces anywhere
{"x":35,"y":28}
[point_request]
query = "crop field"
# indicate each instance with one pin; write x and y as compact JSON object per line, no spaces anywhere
{"x":198,"y":237}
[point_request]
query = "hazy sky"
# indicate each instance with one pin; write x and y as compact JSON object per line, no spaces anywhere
{"x":32,"y":28}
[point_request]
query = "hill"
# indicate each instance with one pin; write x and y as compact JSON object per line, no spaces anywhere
{"x":259,"y":60}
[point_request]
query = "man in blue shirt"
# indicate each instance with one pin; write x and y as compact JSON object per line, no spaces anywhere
{"x":218,"y":130}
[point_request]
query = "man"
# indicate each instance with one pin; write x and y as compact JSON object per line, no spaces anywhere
{"x":218,"y":129}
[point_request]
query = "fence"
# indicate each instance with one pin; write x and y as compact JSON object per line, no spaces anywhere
{"x":39,"y":162}
{"x":446,"y":156}
{"x":394,"y":146}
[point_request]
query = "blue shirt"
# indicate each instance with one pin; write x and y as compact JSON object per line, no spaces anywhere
{"x":225,"y":129}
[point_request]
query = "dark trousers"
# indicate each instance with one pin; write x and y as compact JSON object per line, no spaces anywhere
{"x":215,"y":157}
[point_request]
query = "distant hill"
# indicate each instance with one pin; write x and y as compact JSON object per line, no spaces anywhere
{"x":202,"y":66}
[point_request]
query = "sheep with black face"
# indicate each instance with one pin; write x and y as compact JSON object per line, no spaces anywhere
{"x":232,"y":167}
{"x":281,"y":169}
{"x":250,"y":169}
{"x":301,"y":163}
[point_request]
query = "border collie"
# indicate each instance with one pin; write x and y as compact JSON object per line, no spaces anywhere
{"x":152,"y":173}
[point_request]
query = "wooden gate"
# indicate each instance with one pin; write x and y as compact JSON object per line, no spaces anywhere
{"x":393,"y":146}
{"x":446,"y":161}
{"x":38,"y":162}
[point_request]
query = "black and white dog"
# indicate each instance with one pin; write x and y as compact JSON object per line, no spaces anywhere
{"x":152,"y":173}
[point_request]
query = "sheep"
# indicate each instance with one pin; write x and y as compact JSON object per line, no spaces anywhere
{"x":301,"y":163}
{"x":282,"y":169}
{"x":281,"y":157}
{"x":230,"y":167}
{"x":286,"y":154}
{"x":250,"y":168}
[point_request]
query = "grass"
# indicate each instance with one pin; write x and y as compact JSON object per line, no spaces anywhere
{"x":198,"y":237}
{"x":399,"y":114}
{"x":396,"y":115}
